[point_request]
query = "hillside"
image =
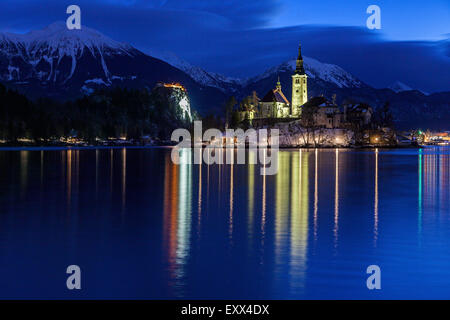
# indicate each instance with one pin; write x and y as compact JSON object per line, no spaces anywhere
{"x":61,"y":64}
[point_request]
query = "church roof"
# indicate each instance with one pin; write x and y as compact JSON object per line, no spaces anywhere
{"x":275,"y":95}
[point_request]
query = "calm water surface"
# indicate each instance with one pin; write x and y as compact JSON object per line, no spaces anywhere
{"x":142,"y":227}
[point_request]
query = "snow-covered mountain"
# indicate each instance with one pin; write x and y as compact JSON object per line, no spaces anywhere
{"x":65,"y":64}
{"x":399,"y":86}
{"x":329,"y":75}
{"x":58,"y":57}
{"x":323,"y":79}
{"x":52,"y":54}
{"x":203,"y":77}
{"x":315,"y":69}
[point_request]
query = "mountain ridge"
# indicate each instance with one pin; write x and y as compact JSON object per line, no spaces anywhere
{"x":65,"y":64}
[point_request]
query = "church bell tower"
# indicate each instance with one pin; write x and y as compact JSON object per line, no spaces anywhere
{"x":299,"y":86}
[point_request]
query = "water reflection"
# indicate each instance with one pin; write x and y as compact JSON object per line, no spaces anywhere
{"x":316,"y":191}
{"x":444,"y":180}
{"x":430,"y":183}
{"x":184,"y":208}
{"x":170,"y":213}
{"x":177,"y":217}
{"x":230,"y":229}
{"x":336,"y":199}
{"x":434,"y":189}
{"x":42,"y":168}
{"x":96,"y":173}
{"x":23,"y":172}
{"x":273,"y":221}
{"x":263,"y":206}
{"x":282,"y":197}
{"x":419,"y":197}
{"x":375,"y":224}
{"x":299,"y":222}
{"x":124,"y":177}
{"x":199,"y":202}
{"x":69,"y":178}
{"x":111,"y":170}
{"x":251,"y":191}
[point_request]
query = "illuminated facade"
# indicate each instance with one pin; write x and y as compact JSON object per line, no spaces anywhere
{"x":299,"y":86}
{"x":275,"y":104}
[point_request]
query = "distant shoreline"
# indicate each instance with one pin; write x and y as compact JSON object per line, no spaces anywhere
{"x":18,"y":147}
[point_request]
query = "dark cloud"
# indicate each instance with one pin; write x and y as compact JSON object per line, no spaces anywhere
{"x":240,"y":14}
{"x":232,"y":37}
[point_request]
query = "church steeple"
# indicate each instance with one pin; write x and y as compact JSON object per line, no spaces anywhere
{"x":279,"y":84}
{"x":299,"y":66}
{"x":299,"y":86}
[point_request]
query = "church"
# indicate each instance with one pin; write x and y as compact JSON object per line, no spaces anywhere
{"x":275,"y":104}
{"x":327,"y":114}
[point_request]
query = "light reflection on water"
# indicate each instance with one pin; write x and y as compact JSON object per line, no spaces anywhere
{"x":225,"y":231}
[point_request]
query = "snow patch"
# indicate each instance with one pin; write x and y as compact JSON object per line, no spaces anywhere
{"x":97,"y":81}
{"x":399,"y":86}
{"x":86,"y":90}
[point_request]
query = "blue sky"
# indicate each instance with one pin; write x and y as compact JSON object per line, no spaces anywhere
{"x":401,"y":20}
{"x":243,"y":38}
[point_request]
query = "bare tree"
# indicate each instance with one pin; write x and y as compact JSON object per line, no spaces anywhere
{"x":307,"y":118}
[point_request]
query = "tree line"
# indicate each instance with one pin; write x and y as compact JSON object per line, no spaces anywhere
{"x":104,"y":114}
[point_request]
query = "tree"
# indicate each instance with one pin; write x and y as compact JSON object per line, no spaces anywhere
{"x":383,"y":116}
{"x":103,"y":114}
{"x":307,"y":119}
{"x":235,"y":119}
{"x":228,"y":108}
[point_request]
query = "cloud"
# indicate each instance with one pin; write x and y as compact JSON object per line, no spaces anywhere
{"x":238,"y":13}
{"x":241,"y":14}
{"x":232,"y":37}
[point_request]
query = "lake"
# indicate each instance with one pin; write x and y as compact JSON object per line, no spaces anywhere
{"x":141,"y":227}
